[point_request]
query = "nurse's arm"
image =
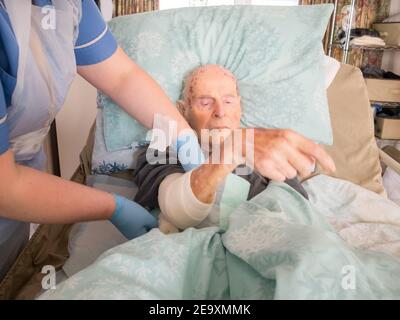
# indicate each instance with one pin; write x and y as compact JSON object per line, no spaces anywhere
{"x":131,"y":88}
{"x":33,"y":196}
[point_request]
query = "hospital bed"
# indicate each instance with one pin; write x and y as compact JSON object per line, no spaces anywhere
{"x":357,"y":158}
{"x":355,"y":152}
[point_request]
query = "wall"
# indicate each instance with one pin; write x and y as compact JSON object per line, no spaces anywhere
{"x":73,"y":124}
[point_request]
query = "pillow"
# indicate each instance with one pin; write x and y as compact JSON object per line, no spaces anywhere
{"x":107,"y":162}
{"x":331,"y":67}
{"x":354,"y":148}
{"x":393,"y":18}
{"x":275,"y":52}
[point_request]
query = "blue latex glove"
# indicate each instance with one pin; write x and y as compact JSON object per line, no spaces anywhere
{"x":131,"y":219}
{"x":189,"y":152}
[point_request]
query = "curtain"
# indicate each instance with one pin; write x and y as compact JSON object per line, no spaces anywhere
{"x":367,"y":12}
{"x":309,"y":2}
{"x":124,"y":7}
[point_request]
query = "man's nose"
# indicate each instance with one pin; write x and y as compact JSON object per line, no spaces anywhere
{"x":219,"y":109}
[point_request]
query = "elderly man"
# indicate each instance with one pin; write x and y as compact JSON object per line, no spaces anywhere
{"x":210,"y":101}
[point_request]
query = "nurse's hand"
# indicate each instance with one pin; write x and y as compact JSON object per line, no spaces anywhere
{"x":131,"y":219}
{"x":189,"y":151}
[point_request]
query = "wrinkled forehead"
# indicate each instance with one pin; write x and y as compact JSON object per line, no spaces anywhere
{"x":211,"y":77}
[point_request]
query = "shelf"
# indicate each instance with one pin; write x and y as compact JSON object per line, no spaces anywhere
{"x":384,"y":104}
{"x":377,"y":48}
{"x":383,"y":90}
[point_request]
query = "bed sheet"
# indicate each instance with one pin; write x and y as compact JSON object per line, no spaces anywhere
{"x":361,"y":217}
{"x":276,"y":246}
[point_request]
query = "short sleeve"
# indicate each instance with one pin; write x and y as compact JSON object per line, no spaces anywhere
{"x":4,"y":138}
{"x":95,"y":42}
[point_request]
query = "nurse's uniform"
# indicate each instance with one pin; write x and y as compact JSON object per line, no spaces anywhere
{"x":46,"y":68}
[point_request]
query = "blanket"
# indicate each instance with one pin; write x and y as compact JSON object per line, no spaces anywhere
{"x":278,"y":245}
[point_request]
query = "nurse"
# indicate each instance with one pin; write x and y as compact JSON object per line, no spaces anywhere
{"x":43,"y":43}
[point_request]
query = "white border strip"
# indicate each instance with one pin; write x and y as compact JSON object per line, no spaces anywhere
{"x":94,"y":40}
{"x":3,"y":120}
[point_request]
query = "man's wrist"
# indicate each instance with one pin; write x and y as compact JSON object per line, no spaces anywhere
{"x":211,"y":175}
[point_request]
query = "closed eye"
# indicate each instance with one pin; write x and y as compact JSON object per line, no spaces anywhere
{"x":229,"y":100}
{"x":206,"y":101}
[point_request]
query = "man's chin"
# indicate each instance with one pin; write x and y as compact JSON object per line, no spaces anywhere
{"x":217,"y":135}
{"x":221,"y":129}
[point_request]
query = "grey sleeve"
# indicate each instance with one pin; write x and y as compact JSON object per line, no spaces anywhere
{"x":259,"y":183}
{"x":149,"y":174}
{"x":295,"y":184}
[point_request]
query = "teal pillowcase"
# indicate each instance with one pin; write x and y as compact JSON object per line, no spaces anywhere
{"x":276,"y":54}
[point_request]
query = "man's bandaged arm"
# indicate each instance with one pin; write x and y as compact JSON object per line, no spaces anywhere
{"x":186,"y":199}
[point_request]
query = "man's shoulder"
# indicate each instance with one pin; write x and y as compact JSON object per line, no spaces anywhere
{"x":148,"y":156}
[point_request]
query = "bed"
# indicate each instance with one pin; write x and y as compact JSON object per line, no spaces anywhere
{"x":353,"y":200}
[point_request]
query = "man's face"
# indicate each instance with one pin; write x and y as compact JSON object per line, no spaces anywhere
{"x":213,"y":101}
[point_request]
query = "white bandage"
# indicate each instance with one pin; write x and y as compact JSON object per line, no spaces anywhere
{"x":166,"y":226}
{"x":179,"y":204}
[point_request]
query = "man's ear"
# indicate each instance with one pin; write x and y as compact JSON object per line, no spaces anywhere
{"x":180,"y":105}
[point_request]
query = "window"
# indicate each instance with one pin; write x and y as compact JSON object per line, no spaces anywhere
{"x":169,"y":4}
{"x":275,"y":2}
